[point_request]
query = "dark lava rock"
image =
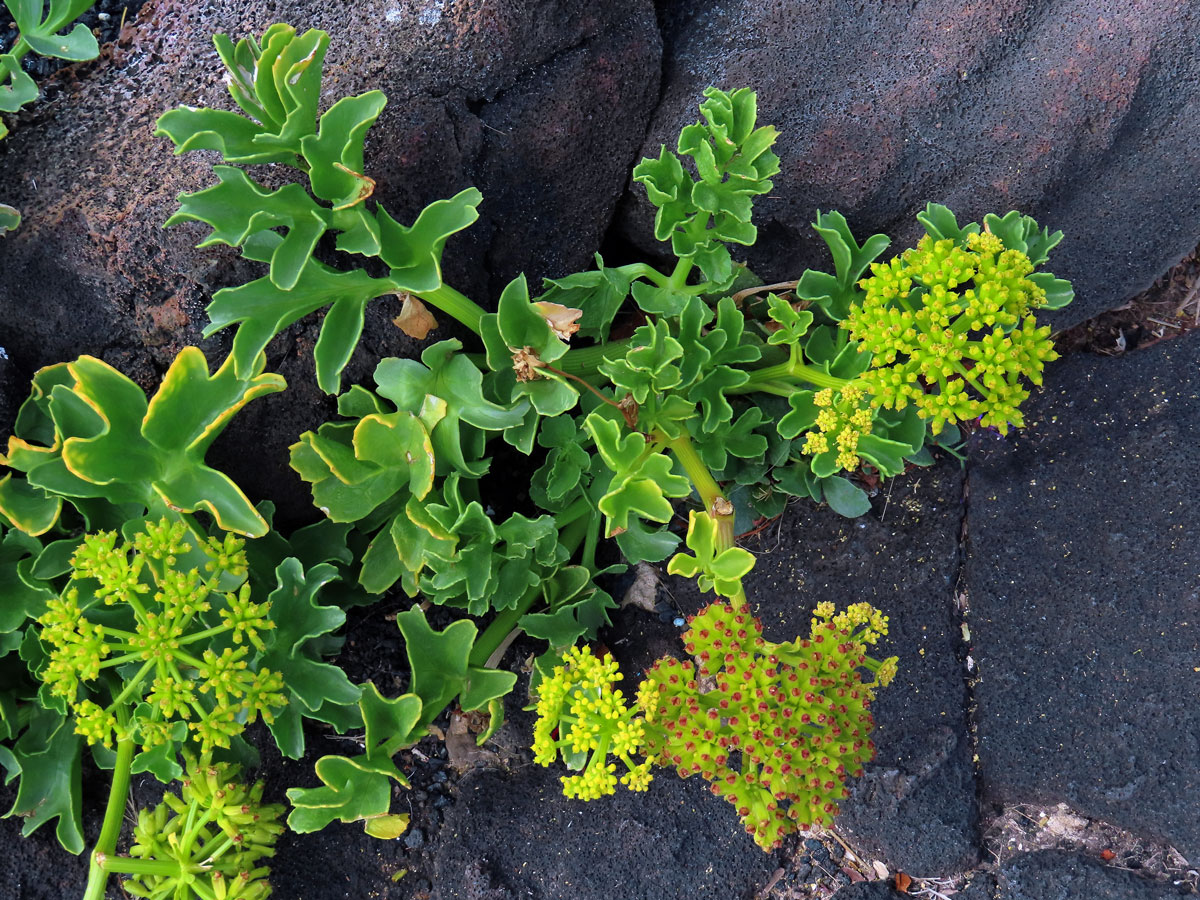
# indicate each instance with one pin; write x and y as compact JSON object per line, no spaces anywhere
{"x":1082,"y":583}
{"x":1079,"y":113}
{"x":516,"y":836}
{"x":980,"y":887}
{"x":915,"y":807}
{"x":1057,"y":875}
{"x":540,"y":105}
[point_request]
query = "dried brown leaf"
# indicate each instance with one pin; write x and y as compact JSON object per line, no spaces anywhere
{"x":415,"y":320}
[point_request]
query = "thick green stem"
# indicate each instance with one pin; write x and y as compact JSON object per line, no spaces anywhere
{"x":585,"y":361}
{"x":716,"y":504}
{"x":128,"y":866}
{"x":493,"y":636}
{"x":792,"y":371}
{"x":775,"y":388}
{"x":110,"y":830}
{"x":451,"y":302}
{"x":643,"y":270}
{"x":679,"y":275}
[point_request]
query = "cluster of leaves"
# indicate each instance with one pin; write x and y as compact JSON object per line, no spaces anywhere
{"x":359,"y":788}
{"x":276,"y":81}
{"x":207,"y":842}
{"x":87,"y":436}
{"x":39,"y":26}
{"x":775,"y":730}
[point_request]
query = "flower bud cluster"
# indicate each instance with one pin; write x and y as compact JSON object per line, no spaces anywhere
{"x":583,"y":717}
{"x":216,"y":831}
{"x":951,"y":330}
{"x":845,"y":417}
{"x":165,"y":623}
{"x":774,"y":728}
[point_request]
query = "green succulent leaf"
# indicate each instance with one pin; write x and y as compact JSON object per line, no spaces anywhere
{"x":441,"y":668}
{"x":577,"y":609}
{"x":31,"y":509}
{"x":940,"y":223}
{"x":17,"y":87}
{"x":47,"y":758}
{"x":414,"y":252}
{"x":447,"y":374}
{"x":642,"y":479}
{"x":261,"y":310}
{"x":793,"y":323}
{"x":834,"y":294}
{"x":236,"y":208}
{"x":25,"y":594}
{"x":739,"y":439}
{"x":39,"y":26}
{"x":721,"y":572}
{"x":109,"y":442}
{"x":292,"y":649}
{"x":335,"y":152}
{"x":649,"y":366}
{"x":844,"y":498}
{"x":598,"y":293}
{"x":359,"y":788}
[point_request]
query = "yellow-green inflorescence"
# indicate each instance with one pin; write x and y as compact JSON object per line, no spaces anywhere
{"x":774,"y":728}
{"x":845,"y":416}
{"x":208,"y":842}
{"x":184,"y":647}
{"x":583,"y":716}
{"x":951,"y":330}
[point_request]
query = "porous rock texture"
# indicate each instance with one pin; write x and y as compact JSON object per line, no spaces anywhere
{"x":516,"y":836}
{"x":914,"y":807}
{"x":542,"y":105}
{"x":1071,"y":876}
{"x":1084,"y":592}
{"x":1079,"y":112}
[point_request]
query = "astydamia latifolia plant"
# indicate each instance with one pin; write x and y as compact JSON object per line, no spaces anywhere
{"x":89,"y":441}
{"x":208,"y":842}
{"x":724,"y":394}
{"x":41,"y":28}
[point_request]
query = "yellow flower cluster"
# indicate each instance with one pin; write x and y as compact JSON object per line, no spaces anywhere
{"x":845,"y":417}
{"x":950,"y":329}
{"x":159,"y":627}
{"x":777,"y":727}
{"x":582,"y":715}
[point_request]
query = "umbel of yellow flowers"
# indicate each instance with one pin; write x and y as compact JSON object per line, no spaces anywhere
{"x":951,"y":330}
{"x":795,"y":714}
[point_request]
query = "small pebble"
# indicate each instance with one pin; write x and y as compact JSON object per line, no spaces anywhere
{"x":679,"y":622}
{"x":415,"y":839}
{"x":441,"y":801}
